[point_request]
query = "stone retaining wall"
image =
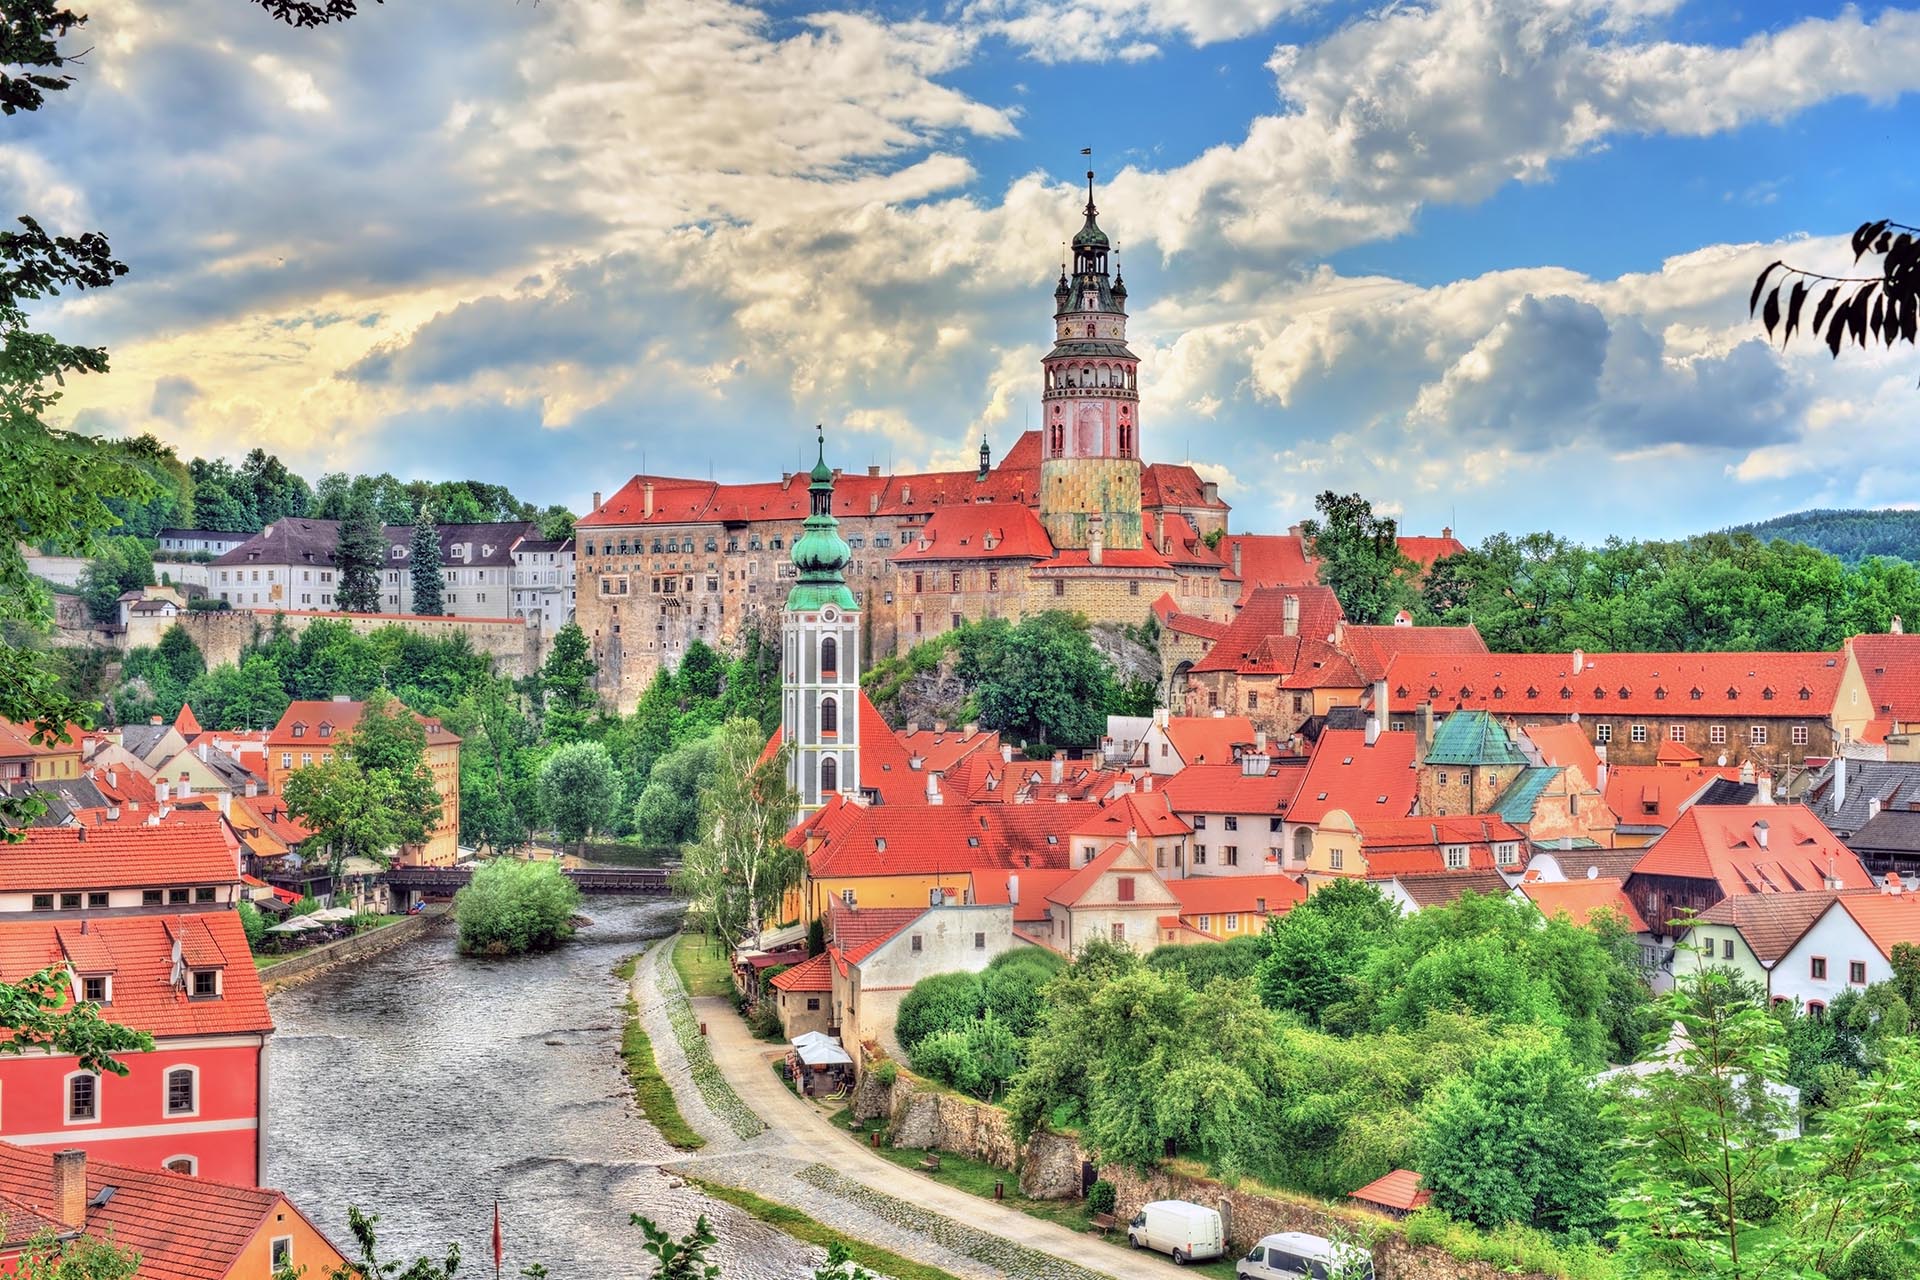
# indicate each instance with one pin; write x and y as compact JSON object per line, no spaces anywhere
{"x":921,"y":1118}
{"x":310,"y":964}
{"x":1249,"y":1216}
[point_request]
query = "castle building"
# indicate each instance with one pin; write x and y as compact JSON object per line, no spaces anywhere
{"x":820,"y":656}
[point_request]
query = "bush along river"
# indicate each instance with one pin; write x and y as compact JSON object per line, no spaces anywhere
{"x":421,"y":1085}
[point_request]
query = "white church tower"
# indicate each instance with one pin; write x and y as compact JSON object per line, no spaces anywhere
{"x":820,"y":667}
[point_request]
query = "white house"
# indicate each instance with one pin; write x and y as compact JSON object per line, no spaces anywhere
{"x":870,"y":981}
{"x":1117,"y":896}
{"x":1849,"y":947}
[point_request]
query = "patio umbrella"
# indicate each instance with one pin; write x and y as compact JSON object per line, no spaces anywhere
{"x":329,"y":915}
{"x":299,"y":924}
{"x":823,"y":1055}
{"x":813,"y":1037}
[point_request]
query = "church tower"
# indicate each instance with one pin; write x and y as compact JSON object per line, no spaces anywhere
{"x":820,"y":667}
{"x":1090,"y":424}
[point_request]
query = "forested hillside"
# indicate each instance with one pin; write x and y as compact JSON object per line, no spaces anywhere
{"x":1850,"y":535}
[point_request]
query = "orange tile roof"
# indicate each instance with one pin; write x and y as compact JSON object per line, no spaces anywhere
{"x":138,"y":951}
{"x":1146,"y":813}
{"x":1888,"y":919}
{"x":341,"y":716}
{"x":1374,"y":648}
{"x":187,"y":723}
{"x":1566,"y":746}
{"x":1228,"y":788}
{"x":986,"y":531}
{"x":1656,"y":685}
{"x":1035,"y":886}
{"x":1890,"y":665}
{"x":190,"y":851}
{"x":1080,"y":883}
{"x":1219,"y":895}
{"x":1722,"y":843}
{"x":1400,"y":1189}
{"x":879,"y":840}
{"x":1365,"y":781}
{"x":1651,"y":795}
{"x":1111,"y":558}
{"x":1172,"y":619}
{"x":812,"y":974}
{"x":183,"y":1227}
{"x":1671,"y":752}
{"x":1269,"y":560}
{"x":852,"y":927}
{"x":1423,"y":550}
{"x":940,"y":750}
{"x":1579,"y":899}
{"x":1264,"y":615}
{"x":1208,"y":739}
{"x":1770,"y":923}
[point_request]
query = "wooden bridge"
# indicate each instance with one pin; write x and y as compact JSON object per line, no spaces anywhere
{"x":439,"y":882}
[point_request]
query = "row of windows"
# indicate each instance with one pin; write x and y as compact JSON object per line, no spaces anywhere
{"x":1758,"y":734}
{"x":686,"y":546}
{"x":180,"y":1097}
{"x":1817,"y":968}
{"x":95,"y":899}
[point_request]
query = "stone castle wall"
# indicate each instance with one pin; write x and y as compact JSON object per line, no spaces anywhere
{"x":1072,"y":489}
{"x":222,"y":636}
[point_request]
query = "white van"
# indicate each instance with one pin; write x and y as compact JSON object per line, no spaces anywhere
{"x":1190,"y":1232}
{"x":1295,"y":1255}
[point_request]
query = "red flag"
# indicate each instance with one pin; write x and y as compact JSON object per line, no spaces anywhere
{"x":499,"y":1252}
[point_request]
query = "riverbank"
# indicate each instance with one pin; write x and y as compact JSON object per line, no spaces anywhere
{"x":307,"y":965}
{"x":651,"y":1092}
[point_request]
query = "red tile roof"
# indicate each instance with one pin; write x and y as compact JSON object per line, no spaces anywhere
{"x":1076,"y":886}
{"x":1146,"y":813}
{"x":341,"y":717}
{"x":1566,"y":746}
{"x":1264,"y":615}
{"x":190,"y":851}
{"x":1888,"y":919}
{"x":1374,"y":648}
{"x":1218,"y":895}
{"x":852,"y":927}
{"x":1723,"y":843}
{"x":187,"y":723}
{"x":1671,"y":752}
{"x":1890,"y":665}
{"x":1651,"y":795}
{"x":183,"y":1227}
{"x":1399,"y":1190}
{"x":988,"y":531}
{"x":1269,"y":560}
{"x":1111,"y":558}
{"x":1035,"y":886}
{"x":1228,"y":788}
{"x":1578,"y":900}
{"x":1656,"y":685}
{"x":941,"y":749}
{"x":1172,"y":619}
{"x":1375,"y":781}
{"x":1424,"y":550}
{"x":879,"y":840}
{"x":1208,"y":739}
{"x":813,"y":974}
{"x":1770,"y":924}
{"x":138,"y":951}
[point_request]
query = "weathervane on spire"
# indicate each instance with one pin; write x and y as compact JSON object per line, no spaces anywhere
{"x":1088,"y":152}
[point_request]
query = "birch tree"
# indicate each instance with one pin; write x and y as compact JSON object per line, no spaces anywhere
{"x":740,"y":869}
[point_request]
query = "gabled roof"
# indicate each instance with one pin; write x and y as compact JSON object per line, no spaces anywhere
{"x":1648,"y":795}
{"x":1888,"y":919}
{"x":1580,"y":899}
{"x":1471,"y":738}
{"x":1400,"y":1189}
{"x":940,"y":750}
{"x":1769,"y":923}
{"x":1228,"y":788}
{"x":1753,"y":849}
{"x":990,"y":889}
{"x":138,"y":951}
{"x":1893,"y":784}
{"x":191,"y":851}
{"x":1372,"y":648}
{"x":1168,"y":612}
{"x":812,"y":974}
{"x":1365,"y":781}
{"x":187,"y":723}
{"x":1890,"y":666}
{"x":1655,"y":685}
{"x":1566,"y":744}
{"x":987,"y":531}
{"x":880,"y":840}
{"x":1208,"y":739}
{"x":339,"y":717}
{"x":1435,"y":890}
{"x":1219,"y":895}
{"x":1144,"y":813}
{"x":1264,"y":615}
{"x":850,"y":928}
{"x":1121,"y":858}
{"x":1676,"y":753}
{"x":1521,"y":798}
{"x":183,"y":1227}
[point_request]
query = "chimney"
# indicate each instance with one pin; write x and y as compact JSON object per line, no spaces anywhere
{"x":933,"y":788}
{"x":1873,"y":807}
{"x":1290,"y":616}
{"x":226,"y":804}
{"x":113,"y":779}
{"x":1059,"y":770}
{"x":1236,"y":558}
{"x":1146,"y":783}
{"x":1760,"y":832}
{"x":153,"y":719}
{"x":253,"y":788}
{"x":873,"y":470}
{"x":1211,"y":492}
{"x":1894,"y":628}
{"x":913,"y":727}
{"x":1446,"y":531}
{"x":203,"y":752}
{"x":1382,"y":703}
{"x":646,"y":499}
{"x":1373,"y":729}
{"x":1600,"y":782}
{"x":341,"y":697}
{"x":1893,"y":884}
{"x":1746,"y":772}
{"x":162,"y":792}
{"x":1006,"y":753}
{"x":969,"y":729}
{"x":186,"y":785}
{"x":80,"y":833}
{"x":1579,"y":661}
{"x":1259,"y":742}
{"x":1839,"y":782}
{"x":1765,"y":783}
{"x":1831,"y":881}
{"x":1160,"y":716}
{"x":1423,"y":728}
{"x":939,"y":726}
{"x":70,"y":1188}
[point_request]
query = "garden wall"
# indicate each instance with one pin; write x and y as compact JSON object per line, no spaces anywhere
{"x":309,"y":964}
{"x":923,"y":1118}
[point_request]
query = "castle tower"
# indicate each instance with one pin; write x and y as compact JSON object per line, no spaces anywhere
{"x":820,"y":667}
{"x":1090,"y":423}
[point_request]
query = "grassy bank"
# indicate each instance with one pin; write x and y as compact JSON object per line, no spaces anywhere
{"x":801,"y":1227}
{"x":702,"y":965}
{"x":651,"y":1092}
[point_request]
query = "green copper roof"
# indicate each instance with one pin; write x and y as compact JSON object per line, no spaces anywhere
{"x":820,"y":553}
{"x":1090,"y":236}
{"x":1522,"y":796}
{"x":1472,"y":738}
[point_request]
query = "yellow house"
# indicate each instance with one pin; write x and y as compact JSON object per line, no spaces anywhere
{"x":24,"y":760}
{"x":1877,"y":701}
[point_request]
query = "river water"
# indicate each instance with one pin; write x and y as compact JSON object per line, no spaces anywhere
{"x":421,"y":1085}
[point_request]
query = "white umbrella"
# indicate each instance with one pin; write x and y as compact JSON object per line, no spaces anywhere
{"x":298,"y":924}
{"x":822,"y":1055}
{"x":330,"y":914}
{"x":813,"y":1037}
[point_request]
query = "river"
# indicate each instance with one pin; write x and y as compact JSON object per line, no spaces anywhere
{"x":421,"y":1086}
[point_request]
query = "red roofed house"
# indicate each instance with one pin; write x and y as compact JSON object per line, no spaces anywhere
{"x":309,"y":731}
{"x":1713,"y":852}
{"x":23,"y":760}
{"x":870,"y":977}
{"x":1774,"y":709}
{"x":1276,"y":664}
{"x":1145,"y":816}
{"x":1184,"y":639}
{"x":1848,"y":947}
{"x":1220,"y":908}
{"x":65,"y":872}
{"x":1117,"y":896}
{"x":195,"y":1102}
{"x":803,"y":996}
{"x":183,"y":1228}
{"x":1354,"y":776}
{"x":1172,"y":743}
{"x":1581,"y":900}
{"x":1237,"y":813}
{"x":1879,"y":695}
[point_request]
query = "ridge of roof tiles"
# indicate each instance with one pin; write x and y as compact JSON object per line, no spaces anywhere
{"x":1208,"y":739}
{"x":991,"y":531}
{"x":858,"y":840}
{"x":1723,"y":843}
{"x":1754,"y":685}
{"x":1890,"y":666}
{"x":1373,"y":648}
{"x":812,"y":974}
{"x":340,"y":717}
{"x":1214,"y":895}
{"x":190,"y":851}
{"x":1771,"y":923}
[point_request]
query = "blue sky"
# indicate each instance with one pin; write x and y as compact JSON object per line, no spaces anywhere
{"x":1485,"y":261}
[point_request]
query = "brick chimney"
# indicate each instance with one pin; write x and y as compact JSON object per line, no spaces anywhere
{"x":1236,"y":558}
{"x":186,"y":785}
{"x":1290,"y":616}
{"x":646,"y":499}
{"x":70,"y":1187}
{"x":596,"y":499}
{"x":1059,"y":771}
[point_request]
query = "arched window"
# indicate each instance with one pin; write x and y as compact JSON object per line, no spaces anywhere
{"x":182,"y":1164}
{"x":829,"y":658}
{"x":1302,"y":844}
{"x":829,"y":715}
{"x":1817,"y":1010}
{"x":83,"y":1097}
{"x":1126,"y":441}
{"x":829,"y":774}
{"x":183,"y":1091}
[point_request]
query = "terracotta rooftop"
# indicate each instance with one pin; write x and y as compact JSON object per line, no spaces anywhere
{"x":1228,"y":788}
{"x":1580,"y":899}
{"x":1264,"y":615}
{"x":878,"y":840}
{"x":986,"y":531}
{"x":1436,"y":890}
{"x":1399,"y":1190}
{"x":1770,"y":923}
{"x":1367,"y":782}
{"x":1374,"y":648}
{"x":1753,"y":849}
{"x":1208,"y":739}
{"x":190,"y":851}
{"x":1659,"y":686}
{"x":812,"y":974}
{"x":1890,"y":665}
{"x":1218,"y":895}
{"x":1652,"y":795}
{"x":324,"y":722}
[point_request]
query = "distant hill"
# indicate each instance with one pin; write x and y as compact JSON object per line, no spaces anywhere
{"x":1850,"y":535}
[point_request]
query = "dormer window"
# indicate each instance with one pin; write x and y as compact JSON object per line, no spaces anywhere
{"x":299,"y":730}
{"x":97,"y":988}
{"x":206,"y":984}
{"x":326,"y":730}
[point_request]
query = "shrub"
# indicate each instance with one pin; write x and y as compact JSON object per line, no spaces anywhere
{"x":254,"y":923}
{"x":1011,"y":986}
{"x":945,"y":1001}
{"x":764,"y":1021}
{"x":1101,"y":1197}
{"x":947,"y":1056}
{"x":887,"y":1072}
{"x":512,"y":907}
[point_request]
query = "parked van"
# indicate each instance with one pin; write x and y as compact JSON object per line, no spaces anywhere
{"x":1295,"y":1255}
{"x":1190,"y":1232}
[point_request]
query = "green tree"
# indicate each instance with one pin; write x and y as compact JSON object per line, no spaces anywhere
{"x":579,"y":790}
{"x":1045,"y":682}
{"x":370,"y":1267}
{"x":249,"y":696}
{"x":1519,"y":1139}
{"x":275,"y":492}
{"x":567,"y":681}
{"x":124,"y":564}
{"x":389,"y":746}
{"x":1012,"y":986}
{"x":511,"y":907}
{"x":1360,"y":557}
{"x":556,"y":523}
{"x":178,"y":656}
{"x":359,"y":558}
{"x":334,"y":801}
{"x":1317,"y":950}
{"x":741,"y":868}
{"x":499,"y":778}
{"x":939,"y":1002}
{"x":668,"y":811}
{"x":424,"y":562}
